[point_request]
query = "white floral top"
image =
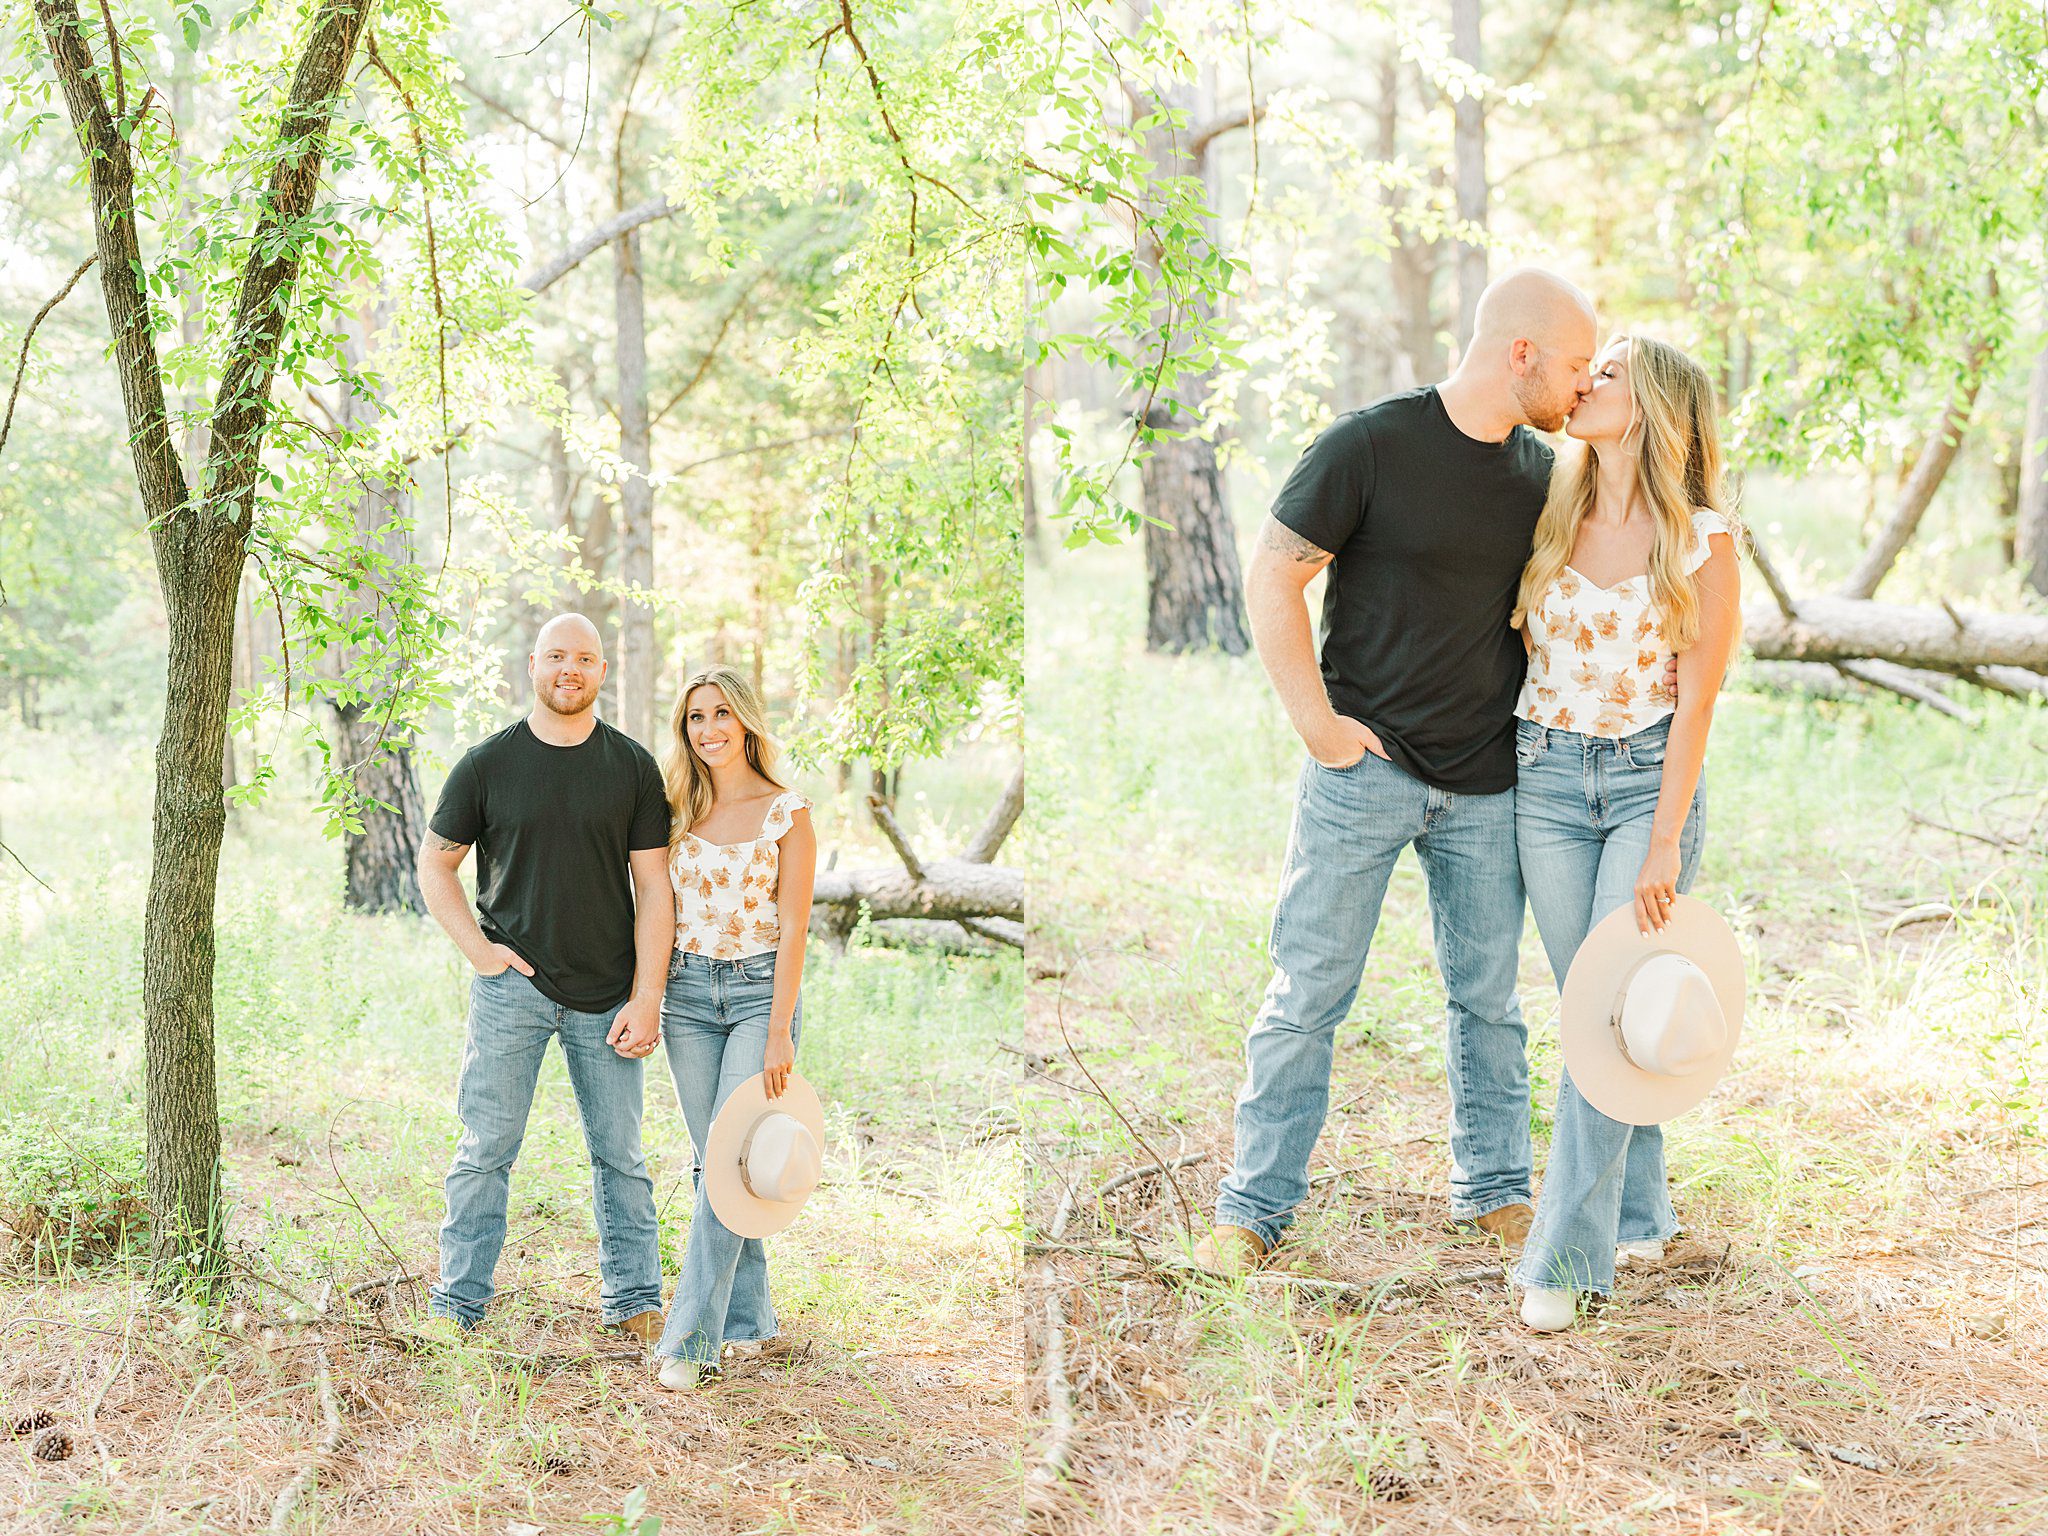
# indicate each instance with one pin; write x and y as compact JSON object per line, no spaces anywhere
{"x":1597,"y":654}
{"x":725,"y":892}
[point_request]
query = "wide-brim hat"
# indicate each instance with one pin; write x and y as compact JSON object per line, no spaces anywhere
{"x":762,"y":1158}
{"x":1650,"y":1024}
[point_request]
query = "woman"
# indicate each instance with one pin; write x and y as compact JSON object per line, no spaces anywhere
{"x":742,"y":859}
{"x":1634,"y":560}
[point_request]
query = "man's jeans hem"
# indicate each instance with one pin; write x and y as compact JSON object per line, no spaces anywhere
{"x":1269,"y":1228}
{"x":1472,"y":1210}
{"x":613,"y":1316}
{"x":437,"y":1307}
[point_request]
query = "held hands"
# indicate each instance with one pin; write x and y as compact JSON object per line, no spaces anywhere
{"x":1343,"y":742}
{"x":776,"y":1062}
{"x":636,"y":1028}
{"x":1656,"y":888}
{"x":498,"y":959}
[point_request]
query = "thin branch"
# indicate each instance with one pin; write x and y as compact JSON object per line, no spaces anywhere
{"x":330,"y":1442}
{"x":1543,"y":53}
{"x":513,"y":117}
{"x":1764,"y":568}
{"x":21,"y":367}
{"x":886,"y":820}
{"x":1002,"y":816}
{"x":593,"y":240}
{"x":1202,"y":137}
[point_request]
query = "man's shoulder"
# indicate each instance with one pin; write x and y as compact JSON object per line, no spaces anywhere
{"x":495,"y":745}
{"x":1402,"y":411}
{"x":628,"y":748}
{"x":1535,"y":455}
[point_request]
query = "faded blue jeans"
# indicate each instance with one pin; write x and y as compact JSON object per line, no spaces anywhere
{"x":714,"y":1022}
{"x":510,"y":1024}
{"x":1350,"y":825}
{"x":1583,"y":810}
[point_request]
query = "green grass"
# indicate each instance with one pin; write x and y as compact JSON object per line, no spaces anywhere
{"x":1844,"y":1275}
{"x":338,"y":1038}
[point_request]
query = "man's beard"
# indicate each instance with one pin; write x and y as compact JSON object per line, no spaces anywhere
{"x":1543,"y":412}
{"x":584,"y":700}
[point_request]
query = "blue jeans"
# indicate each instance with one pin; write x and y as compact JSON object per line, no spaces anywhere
{"x":510,"y":1024}
{"x":1583,"y":810}
{"x":714,"y":1021}
{"x":1350,"y":825}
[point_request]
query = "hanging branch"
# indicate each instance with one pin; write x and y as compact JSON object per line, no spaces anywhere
{"x":21,"y":367}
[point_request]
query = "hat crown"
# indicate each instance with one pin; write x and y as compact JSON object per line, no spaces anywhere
{"x":1669,"y":1018}
{"x":780,"y":1159}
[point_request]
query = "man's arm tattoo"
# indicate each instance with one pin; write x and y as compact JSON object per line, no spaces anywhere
{"x":442,"y":844}
{"x":1282,"y":540}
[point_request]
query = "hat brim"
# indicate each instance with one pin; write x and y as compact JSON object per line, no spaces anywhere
{"x":1607,"y":1079}
{"x":741,"y":1210}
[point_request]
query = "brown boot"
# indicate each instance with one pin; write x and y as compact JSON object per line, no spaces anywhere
{"x":1230,"y":1251}
{"x":644,"y":1326}
{"x":1508,"y":1226}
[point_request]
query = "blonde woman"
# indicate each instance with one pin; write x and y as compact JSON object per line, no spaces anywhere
{"x":742,"y":860}
{"x":1634,"y":560}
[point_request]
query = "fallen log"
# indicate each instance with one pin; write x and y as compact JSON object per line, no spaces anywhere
{"x":1956,"y":641}
{"x":984,"y":899}
{"x":951,"y":888}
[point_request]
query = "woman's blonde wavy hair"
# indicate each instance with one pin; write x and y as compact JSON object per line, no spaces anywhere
{"x":1674,"y":431}
{"x":687,"y":779}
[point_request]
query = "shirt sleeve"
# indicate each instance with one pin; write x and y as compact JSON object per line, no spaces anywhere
{"x":1327,"y":494}
{"x":1705,"y":524}
{"x":782,"y":813}
{"x":651,"y":813}
{"x":459,"y":816}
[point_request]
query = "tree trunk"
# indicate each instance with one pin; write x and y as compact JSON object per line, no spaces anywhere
{"x":1930,"y":467}
{"x":1469,"y":154}
{"x":951,"y":888}
{"x":200,"y":543}
{"x":1935,"y":639}
{"x":636,"y":663}
{"x":1194,"y":585}
{"x":1411,"y":261}
{"x":2030,"y":526}
{"x":379,"y":860}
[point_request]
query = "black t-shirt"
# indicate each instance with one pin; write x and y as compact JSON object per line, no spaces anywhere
{"x":552,"y":828}
{"x":1430,"y":530}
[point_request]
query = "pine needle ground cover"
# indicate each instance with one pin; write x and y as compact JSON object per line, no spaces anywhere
{"x":339,"y":1042}
{"x":1851,"y":1334}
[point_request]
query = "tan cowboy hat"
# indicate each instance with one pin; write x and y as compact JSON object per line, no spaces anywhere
{"x":763,"y":1156}
{"x":1649,"y":1025}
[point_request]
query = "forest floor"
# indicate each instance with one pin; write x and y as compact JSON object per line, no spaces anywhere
{"x":1851,"y":1334}
{"x":338,"y":1041}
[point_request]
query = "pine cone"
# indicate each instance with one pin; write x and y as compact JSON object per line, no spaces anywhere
{"x":29,"y":1424}
{"x":53,"y":1444}
{"x":1391,"y":1485}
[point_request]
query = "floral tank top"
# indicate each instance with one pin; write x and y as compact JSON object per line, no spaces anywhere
{"x":725,"y":892}
{"x":1597,"y":654}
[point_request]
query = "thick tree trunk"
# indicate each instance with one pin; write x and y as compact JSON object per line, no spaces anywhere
{"x":1930,"y":467}
{"x":200,"y":544}
{"x":1194,"y":584}
{"x":1935,"y":639}
{"x":1412,"y":261}
{"x":379,"y":860}
{"x":2030,"y":525}
{"x":636,"y":664}
{"x":1469,"y":154}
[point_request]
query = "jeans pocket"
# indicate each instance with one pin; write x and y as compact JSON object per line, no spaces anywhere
{"x":1646,"y":754}
{"x":756,"y":967}
{"x":1531,"y":742}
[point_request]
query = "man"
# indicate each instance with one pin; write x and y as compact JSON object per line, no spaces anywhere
{"x":570,"y":939}
{"x":1422,"y":506}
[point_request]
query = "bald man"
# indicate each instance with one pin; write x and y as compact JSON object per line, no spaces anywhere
{"x":570,"y":941}
{"x":1421,"y":506}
